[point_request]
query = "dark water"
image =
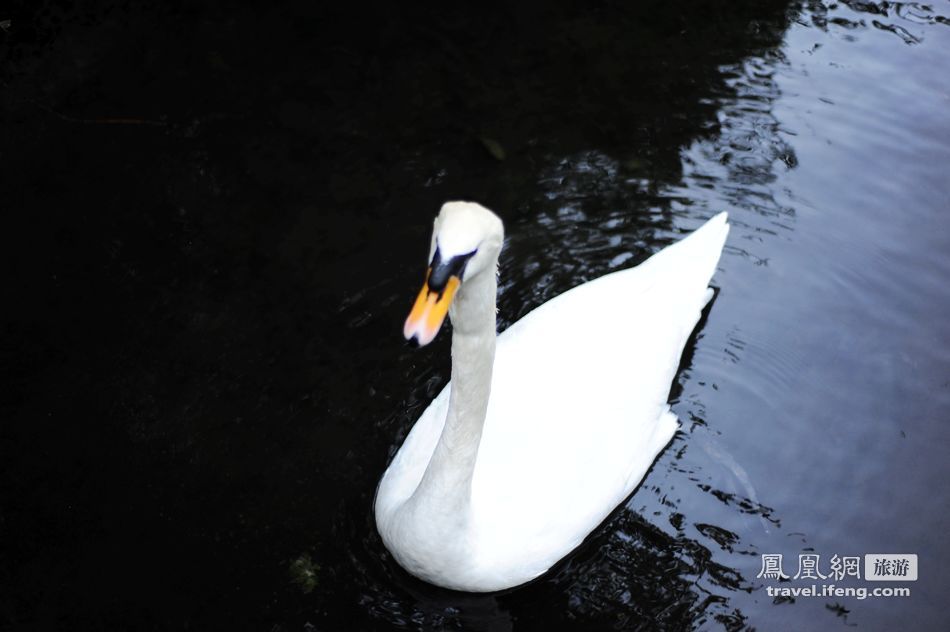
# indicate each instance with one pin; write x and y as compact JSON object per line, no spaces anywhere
{"x":215,"y":220}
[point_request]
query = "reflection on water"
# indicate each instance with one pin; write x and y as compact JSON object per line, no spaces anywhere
{"x":234,"y":298}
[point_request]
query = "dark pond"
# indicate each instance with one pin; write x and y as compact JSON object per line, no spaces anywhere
{"x":215,"y":219}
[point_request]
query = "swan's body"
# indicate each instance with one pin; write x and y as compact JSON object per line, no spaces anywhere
{"x":518,"y":460}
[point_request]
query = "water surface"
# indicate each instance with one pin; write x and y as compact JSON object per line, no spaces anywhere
{"x":217,"y":219}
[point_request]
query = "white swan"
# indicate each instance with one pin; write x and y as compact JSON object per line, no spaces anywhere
{"x":531,"y":445}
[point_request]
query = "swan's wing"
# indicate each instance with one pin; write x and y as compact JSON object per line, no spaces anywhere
{"x":578,"y":406}
{"x":407,"y":467}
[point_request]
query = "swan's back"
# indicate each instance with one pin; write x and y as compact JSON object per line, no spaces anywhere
{"x":578,"y":407}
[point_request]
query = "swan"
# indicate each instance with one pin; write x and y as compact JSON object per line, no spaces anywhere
{"x":544,"y":429}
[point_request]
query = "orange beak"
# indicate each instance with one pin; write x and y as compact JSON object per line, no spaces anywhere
{"x":429,"y":311}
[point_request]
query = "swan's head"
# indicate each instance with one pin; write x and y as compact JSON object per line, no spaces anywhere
{"x":466,"y":240}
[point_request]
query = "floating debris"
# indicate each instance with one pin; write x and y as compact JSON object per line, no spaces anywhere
{"x":303,"y":572}
{"x":494,"y":148}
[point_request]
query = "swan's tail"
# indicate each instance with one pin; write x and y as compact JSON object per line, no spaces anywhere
{"x":708,"y":240}
{"x":694,"y":257}
{"x":713,"y":235}
{"x":686,"y":268}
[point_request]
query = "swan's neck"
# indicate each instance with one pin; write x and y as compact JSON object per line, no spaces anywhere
{"x":446,"y":486}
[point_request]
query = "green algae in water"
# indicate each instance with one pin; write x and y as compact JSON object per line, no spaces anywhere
{"x":303,"y":573}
